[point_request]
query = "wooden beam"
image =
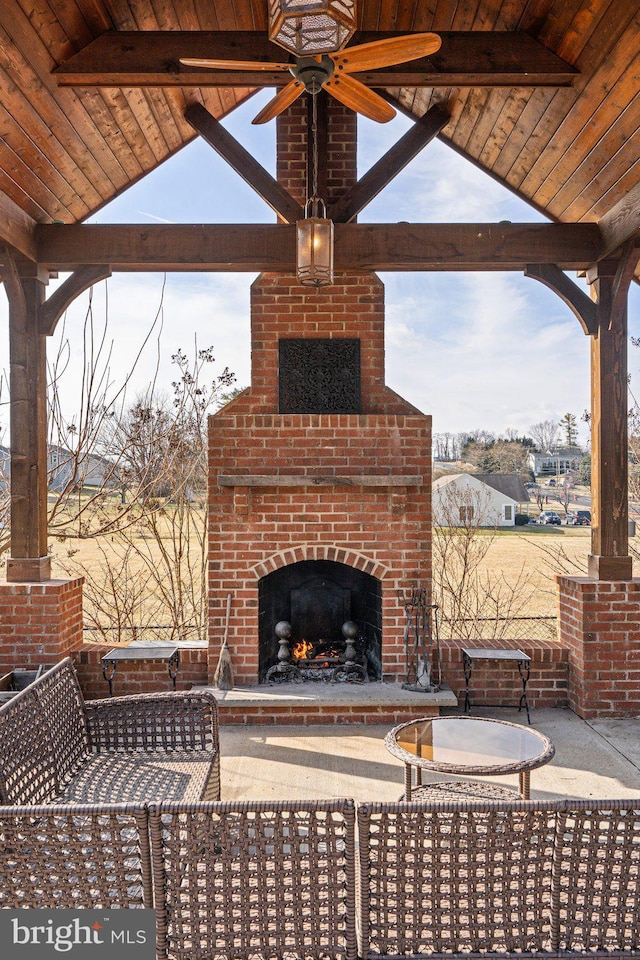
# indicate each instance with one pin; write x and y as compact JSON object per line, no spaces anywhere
{"x":271,"y":247}
{"x":625,"y":272}
{"x":16,"y":228}
{"x":389,"y":166}
{"x":609,"y":558}
{"x":152,"y":58}
{"x":28,"y":417}
{"x":79,"y":281}
{"x":245,"y":165}
{"x":622,"y":221}
{"x":576,"y":299}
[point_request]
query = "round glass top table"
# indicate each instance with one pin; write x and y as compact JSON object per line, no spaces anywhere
{"x":467,"y":746}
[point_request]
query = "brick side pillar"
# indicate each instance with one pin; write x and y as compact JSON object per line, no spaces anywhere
{"x":599,"y":624}
{"x":39,"y":622}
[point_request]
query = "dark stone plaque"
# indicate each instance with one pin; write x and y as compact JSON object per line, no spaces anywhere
{"x":319,"y":376}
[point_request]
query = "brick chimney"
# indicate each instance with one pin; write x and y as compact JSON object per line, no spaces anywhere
{"x":318,"y":471}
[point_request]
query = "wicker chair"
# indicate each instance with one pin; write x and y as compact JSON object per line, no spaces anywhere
{"x":57,"y":748}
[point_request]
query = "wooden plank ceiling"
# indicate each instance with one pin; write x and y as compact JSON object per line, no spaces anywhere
{"x":569,"y":145}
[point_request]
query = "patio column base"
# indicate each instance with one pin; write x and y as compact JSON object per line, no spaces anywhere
{"x":610,"y":568}
{"x":599,"y":624}
{"x":41,"y":622}
{"x":29,"y":569}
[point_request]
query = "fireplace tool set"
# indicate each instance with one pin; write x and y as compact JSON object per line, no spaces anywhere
{"x":421,"y":642}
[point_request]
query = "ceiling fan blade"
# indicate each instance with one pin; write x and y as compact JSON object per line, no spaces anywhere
{"x":386,"y":53}
{"x":355,"y":95}
{"x":213,"y":64}
{"x":283,"y":99}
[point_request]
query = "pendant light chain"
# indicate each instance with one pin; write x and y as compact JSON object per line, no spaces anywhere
{"x":314,"y":146}
{"x":314,"y":234}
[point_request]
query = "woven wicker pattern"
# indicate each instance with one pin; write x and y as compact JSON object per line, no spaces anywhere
{"x":75,"y":857}
{"x":256,"y":881}
{"x":154,"y":747}
{"x":61,"y":702}
{"x":472,"y":790}
{"x":28,"y":768}
{"x":455,"y":878}
{"x":598,"y":877}
{"x":135,"y":777}
{"x":155,"y":721}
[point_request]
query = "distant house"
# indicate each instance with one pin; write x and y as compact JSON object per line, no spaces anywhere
{"x":509,"y":484}
{"x":90,"y":470}
{"x":5,"y":466}
{"x":463,"y":499}
{"x":563,"y":461}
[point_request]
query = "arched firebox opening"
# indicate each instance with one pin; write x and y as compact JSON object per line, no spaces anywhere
{"x":317,"y":597}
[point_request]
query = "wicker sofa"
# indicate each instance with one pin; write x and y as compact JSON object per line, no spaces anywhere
{"x":322,"y":880}
{"x":57,"y":747}
{"x":328,"y":880}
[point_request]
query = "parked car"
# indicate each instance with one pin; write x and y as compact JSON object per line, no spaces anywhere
{"x":579,"y":518}
{"x":549,"y":516}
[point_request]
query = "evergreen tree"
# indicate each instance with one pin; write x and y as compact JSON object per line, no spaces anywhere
{"x":569,"y":424}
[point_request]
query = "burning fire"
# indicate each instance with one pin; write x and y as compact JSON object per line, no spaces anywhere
{"x":302,"y":650}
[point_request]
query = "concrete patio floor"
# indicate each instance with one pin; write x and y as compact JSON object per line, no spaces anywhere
{"x":594,"y":758}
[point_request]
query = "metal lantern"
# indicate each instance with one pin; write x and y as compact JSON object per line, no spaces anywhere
{"x":309,"y":27}
{"x":314,"y":246}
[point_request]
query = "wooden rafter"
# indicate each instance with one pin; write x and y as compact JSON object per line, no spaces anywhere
{"x":245,"y":165}
{"x":622,"y":221}
{"x":389,"y":166}
{"x":152,"y":58}
{"x":266,"y":247}
{"x":16,"y":227}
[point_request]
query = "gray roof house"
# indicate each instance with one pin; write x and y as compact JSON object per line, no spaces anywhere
{"x":509,"y":484}
{"x":463,"y":499}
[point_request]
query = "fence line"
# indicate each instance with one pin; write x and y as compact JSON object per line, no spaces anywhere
{"x":151,"y":632}
{"x":493,"y":628}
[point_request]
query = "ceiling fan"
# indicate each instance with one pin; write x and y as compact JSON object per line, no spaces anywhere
{"x":331,"y":72}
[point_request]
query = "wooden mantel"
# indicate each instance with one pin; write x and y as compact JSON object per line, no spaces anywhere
{"x":307,"y":480}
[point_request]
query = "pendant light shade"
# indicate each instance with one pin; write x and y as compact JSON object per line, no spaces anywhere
{"x":309,"y":27}
{"x":314,"y":246}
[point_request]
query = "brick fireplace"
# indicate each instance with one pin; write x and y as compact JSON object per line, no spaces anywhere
{"x":319,"y":474}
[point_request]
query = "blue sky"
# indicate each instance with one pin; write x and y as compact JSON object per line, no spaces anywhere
{"x":486,"y":351}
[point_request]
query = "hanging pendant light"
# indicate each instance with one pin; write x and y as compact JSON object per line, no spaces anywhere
{"x":314,"y":246}
{"x":309,"y":27}
{"x":314,"y":234}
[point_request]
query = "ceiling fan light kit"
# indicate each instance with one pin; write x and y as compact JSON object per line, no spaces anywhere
{"x":309,"y":27}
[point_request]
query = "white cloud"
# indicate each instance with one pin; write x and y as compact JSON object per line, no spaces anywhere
{"x":489,"y":357}
{"x":212,"y":309}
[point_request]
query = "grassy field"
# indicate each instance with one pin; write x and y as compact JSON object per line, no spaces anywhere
{"x":532,"y":554}
{"x":538,"y":554}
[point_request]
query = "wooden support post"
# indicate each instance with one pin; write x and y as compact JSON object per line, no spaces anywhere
{"x":29,"y":559}
{"x":609,"y":558}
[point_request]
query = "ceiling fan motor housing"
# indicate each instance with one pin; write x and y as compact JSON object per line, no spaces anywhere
{"x":313,"y":73}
